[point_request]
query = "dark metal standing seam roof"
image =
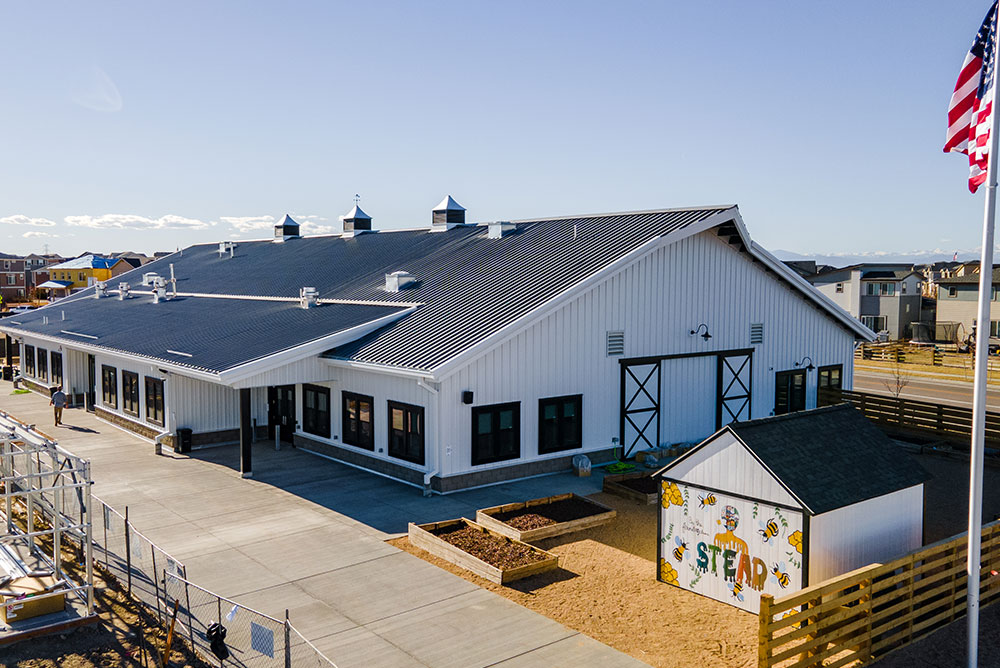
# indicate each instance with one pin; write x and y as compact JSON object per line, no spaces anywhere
{"x":469,"y":286}
{"x":830,"y":457}
{"x":216,"y":334}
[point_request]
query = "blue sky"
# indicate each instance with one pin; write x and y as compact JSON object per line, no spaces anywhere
{"x":148,"y":126}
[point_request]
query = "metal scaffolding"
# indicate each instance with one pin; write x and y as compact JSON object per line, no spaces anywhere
{"x":46,"y":495}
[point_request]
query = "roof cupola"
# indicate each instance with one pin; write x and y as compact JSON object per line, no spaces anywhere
{"x":356,"y":220}
{"x":447,"y":214}
{"x":286,"y":229}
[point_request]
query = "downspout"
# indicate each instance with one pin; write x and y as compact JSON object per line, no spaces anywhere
{"x":437,"y":412}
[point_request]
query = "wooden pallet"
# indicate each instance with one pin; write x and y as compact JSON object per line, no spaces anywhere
{"x":421,"y":536}
{"x":612,"y":485}
{"x":603,"y":514}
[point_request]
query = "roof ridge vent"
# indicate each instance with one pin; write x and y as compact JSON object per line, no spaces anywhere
{"x":447,"y":214}
{"x":399,"y":280}
{"x":500,"y":228}
{"x":308,"y":297}
{"x":286,"y":229}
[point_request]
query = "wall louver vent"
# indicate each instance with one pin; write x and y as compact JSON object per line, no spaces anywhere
{"x":616,"y":343}
{"x":756,"y":333}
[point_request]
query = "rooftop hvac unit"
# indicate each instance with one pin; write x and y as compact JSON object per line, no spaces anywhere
{"x":124,"y":291}
{"x":149,"y":277}
{"x":100,"y":289}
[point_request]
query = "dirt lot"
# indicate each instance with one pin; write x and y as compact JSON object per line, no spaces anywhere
{"x":606,"y":588}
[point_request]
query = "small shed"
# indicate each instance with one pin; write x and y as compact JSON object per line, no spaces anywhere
{"x":772,"y":505}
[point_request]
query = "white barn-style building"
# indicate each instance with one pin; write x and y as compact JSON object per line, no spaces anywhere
{"x":453,"y":355}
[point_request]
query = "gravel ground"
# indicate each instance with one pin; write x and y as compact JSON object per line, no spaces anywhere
{"x":606,"y":588}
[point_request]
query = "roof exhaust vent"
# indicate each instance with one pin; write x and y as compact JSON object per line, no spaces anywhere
{"x":356,"y":221}
{"x":149,"y":277}
{"x":159,"y":290}
{"x":286,"y":229}
{"x":308,"y":297}
{"x":124,"y":291}
{"x":399,"y":280}
{"x":224,"y":247}
{"x":500,"y":229}
{"x":100,"y":289}
{"x":447,"y":215}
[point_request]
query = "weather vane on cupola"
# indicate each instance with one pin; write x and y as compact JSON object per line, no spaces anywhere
{"x":357,"y":198}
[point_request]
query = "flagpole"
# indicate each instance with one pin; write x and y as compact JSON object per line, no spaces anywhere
{"x":973,"y":566}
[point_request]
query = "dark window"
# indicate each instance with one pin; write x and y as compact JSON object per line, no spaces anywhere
{"x":57,"y":374}
{"x":28,"y":368}
{"x":357,"y":420}
{"x":316,"y":410}
{"x":789,"y":391}
{"x":109,"y":386}
{"x":43,"y":364}
{"x":406,"y":432}
{"x":952,"y":291}
{"x":560,"y":422}
{"x":130,"y":393}
{"x":496,"y":433}
{"x":829,"y":384}
{"x":154,"y":400}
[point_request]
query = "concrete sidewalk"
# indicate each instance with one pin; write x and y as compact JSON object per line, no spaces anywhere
{"x":307,"y":534}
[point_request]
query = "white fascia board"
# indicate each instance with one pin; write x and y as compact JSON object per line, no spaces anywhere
{"x":387,"y":369}
{"x":232,"y":376}
{"x":805,"y":287}
{"x":512,"y":329}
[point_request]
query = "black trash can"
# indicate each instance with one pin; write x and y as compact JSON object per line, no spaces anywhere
{"x":8,"y":373}
{"x":182,"y":440}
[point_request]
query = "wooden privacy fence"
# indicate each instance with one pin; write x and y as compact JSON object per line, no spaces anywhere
{"x":861,"y":616}
{"x":906,"y":417}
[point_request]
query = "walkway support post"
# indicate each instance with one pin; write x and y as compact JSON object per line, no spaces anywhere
{"x":246,"y":434}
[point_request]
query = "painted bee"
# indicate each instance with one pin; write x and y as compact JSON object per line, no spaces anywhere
{"x":737,"y":589}
{"x":780,"y":575}
{"x":707,"y":500}
{"x":768,"y":530}
{"x":679,"y":550}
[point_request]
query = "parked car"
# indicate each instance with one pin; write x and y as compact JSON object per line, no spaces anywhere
{"x":22,"y":309}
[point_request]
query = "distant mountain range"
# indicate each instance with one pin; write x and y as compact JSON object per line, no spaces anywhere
{"x":912,"y":257}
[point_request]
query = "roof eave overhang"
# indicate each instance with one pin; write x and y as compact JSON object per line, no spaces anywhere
{"x":807,"y":289}
{"x":233,"y":376}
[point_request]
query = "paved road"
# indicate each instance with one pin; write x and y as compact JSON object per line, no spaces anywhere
{"x":308,"y":535}
{"x":955,"y":393}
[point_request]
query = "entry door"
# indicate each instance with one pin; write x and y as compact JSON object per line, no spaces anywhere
{"x":281,"y":411}
{"x":639,"y":415}
{"x":789,"y":391}
{"x":91,"y":399}
{"x":734,"y":379}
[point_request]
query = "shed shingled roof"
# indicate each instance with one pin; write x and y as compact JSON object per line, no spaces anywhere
{"x":830,"y":457}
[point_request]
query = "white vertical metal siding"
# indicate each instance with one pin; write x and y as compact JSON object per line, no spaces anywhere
{"x":873,"y":531}
{"x":724,"y":463}
{"x":656,"y":301}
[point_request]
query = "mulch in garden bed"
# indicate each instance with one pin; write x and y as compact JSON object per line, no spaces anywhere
{"x":496,"y":551}
{"x":642,"y":484}
{"x":536,"y":517}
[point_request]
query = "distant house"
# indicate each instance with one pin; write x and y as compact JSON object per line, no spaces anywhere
{"x":958,"y":300}
{"x":451,"y":355}
{"x":82,"y":272}
{"x":12,"y":283}
{"x":885,"y":297}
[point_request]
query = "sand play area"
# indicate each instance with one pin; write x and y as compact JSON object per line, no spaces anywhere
{"x":606,"y":588}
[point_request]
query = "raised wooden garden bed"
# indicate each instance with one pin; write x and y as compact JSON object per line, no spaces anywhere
{"x":544,"y":518}
{"x":639,"y":486}
{"x":485,"y":552}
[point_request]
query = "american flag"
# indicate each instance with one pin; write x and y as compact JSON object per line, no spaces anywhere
{"x":971,"y":109}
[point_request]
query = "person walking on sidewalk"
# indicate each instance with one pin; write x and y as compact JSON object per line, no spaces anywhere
{"x":58,"y":401}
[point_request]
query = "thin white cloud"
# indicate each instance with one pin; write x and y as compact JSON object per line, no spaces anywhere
{"x":35,"y":235}
{"x":124,"y":221}
{"x":313,"y":228}
{"x":249,"y":223}
{"x":21,"y":219}
{"x":97,"y":92}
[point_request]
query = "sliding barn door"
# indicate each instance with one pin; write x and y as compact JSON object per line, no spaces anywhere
{"x":640,"y":406}
{"x":734,"y":382}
